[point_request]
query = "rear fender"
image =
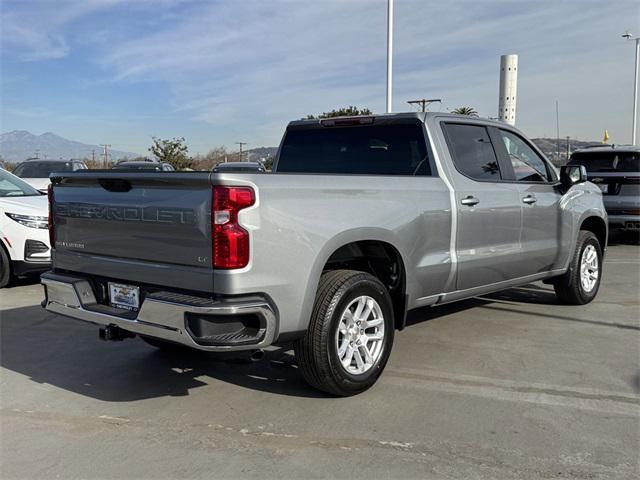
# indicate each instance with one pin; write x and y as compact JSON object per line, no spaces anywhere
{"x":333,"y":244}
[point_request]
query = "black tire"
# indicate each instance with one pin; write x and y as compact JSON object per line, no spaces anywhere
{"x":5,"y":268}
{"x":317,"y":352}
{"x":164,"y":345}
{"x":568,"y":287}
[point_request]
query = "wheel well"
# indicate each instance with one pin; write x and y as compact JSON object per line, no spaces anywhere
{"x":381,"y":260}
{"x":598,"y":227}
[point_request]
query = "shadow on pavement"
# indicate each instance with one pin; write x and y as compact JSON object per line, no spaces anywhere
{"x":67,"y":354}
{"x":424,"y":314}
{"x":31,"y":279}
{"x":623,"y":237}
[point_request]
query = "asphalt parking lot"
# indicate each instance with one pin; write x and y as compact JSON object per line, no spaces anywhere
{"x":506,"y":386}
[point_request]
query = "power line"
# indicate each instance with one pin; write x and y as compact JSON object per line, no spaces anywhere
{"x":423,"y":102}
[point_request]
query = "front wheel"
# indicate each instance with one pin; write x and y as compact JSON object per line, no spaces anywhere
{"x":581,"y":283}
{"x":350,"y":333}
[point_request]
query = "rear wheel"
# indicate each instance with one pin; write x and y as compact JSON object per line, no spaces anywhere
{"x":350,"y":333}
{"x":5,"y":268}
{"x":581,"y":283}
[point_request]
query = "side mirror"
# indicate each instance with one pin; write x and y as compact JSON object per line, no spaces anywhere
{"x":571,"y":175}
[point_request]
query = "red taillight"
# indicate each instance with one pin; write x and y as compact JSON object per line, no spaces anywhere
{"x":52,"y":233}
{"x":230,"y":240}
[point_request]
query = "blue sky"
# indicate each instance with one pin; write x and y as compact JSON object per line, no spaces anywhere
{"x":216,"y":72}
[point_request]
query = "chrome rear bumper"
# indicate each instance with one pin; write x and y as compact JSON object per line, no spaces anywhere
{"x":161,"y":315}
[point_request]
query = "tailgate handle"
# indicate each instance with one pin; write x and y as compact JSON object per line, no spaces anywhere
{"x":115,"y":184}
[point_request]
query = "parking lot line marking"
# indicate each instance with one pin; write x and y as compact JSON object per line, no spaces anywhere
{"x":508,"y":390}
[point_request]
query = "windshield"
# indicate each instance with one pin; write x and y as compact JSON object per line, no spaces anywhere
{"x":42,"y":169}
{"x":607,"y":161}
{"x":12,"y":186}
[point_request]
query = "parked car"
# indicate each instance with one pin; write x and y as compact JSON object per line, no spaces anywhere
{"x":239,"y":167}
{"x":146,"y":166}
{"x":36,"y":172}
{"x":361,"y":220}
{"x":24,"y":239}
{"x":616,"y":171}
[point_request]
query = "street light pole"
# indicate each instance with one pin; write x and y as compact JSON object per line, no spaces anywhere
{"x":635,"y":87}
{"x":389,"y":53}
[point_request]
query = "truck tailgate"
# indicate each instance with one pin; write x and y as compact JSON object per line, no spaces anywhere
{"x":160,"y":218}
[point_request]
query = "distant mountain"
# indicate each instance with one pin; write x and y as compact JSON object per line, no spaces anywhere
{"x":261,"y":153}
{"x":19,"y":145}
{"x":549,"y":147}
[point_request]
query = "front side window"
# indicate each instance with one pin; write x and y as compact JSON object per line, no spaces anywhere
{"x":472,"y":151}
{"x":527,"y":164}
{"x":395,"y":149}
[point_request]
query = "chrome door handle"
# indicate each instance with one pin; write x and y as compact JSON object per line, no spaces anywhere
{"x":529,"y":199}
{"x":470,"y":201}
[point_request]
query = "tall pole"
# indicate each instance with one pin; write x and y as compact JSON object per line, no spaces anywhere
{"x":105,"y":154}
{"x":635,"y":93}
{"x":389,"y":54}
{"x":628,"y":36}
{"x":241,"y":144}
{"x":558,"y":132}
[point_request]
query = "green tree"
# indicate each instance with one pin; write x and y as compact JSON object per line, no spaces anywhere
{"x":470,"y":111}
{"x":349,"y":111}
{"x":172,"y":151}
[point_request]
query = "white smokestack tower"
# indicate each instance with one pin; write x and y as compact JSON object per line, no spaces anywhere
{"x":508,"y":88}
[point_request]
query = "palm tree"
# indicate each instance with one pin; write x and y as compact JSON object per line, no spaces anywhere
{"x":465,"y":111}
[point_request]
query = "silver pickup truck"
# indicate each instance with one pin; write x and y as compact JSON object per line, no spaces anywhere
{"x":361,"y":220}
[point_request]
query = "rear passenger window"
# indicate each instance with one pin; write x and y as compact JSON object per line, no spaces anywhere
{"x":472,"y":151}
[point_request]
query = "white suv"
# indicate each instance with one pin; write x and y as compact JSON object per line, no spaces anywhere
{"x":24,"y":237}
